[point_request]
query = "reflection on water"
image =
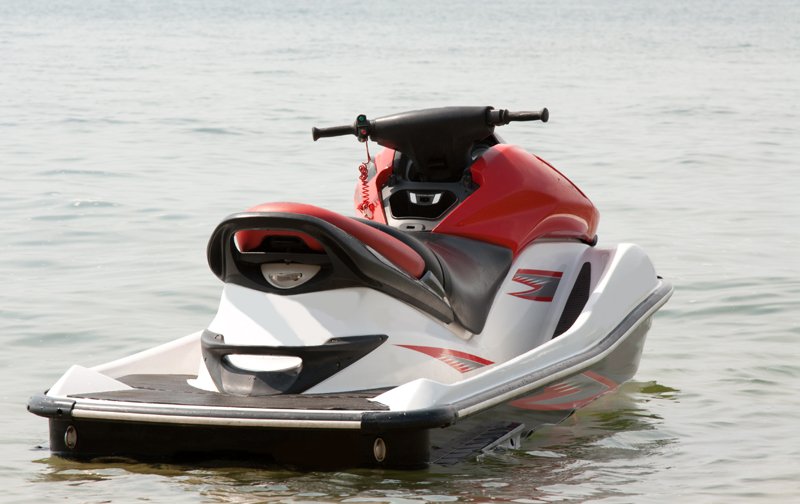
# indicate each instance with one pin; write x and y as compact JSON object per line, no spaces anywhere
{"x":609,"y":440}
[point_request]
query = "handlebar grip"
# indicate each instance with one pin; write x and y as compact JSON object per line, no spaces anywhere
{"x":541,"y":115}
{"x":317,"y":133}
{"x":502,"y":116}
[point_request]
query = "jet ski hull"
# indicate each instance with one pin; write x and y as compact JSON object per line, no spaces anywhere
{"x":162,"y":418}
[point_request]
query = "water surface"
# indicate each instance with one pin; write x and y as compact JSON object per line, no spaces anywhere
{"x":128,"y":130}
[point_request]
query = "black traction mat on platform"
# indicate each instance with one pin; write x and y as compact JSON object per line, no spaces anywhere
{"x":174,"y":390}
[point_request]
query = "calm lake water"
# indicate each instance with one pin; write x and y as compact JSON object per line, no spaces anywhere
{"x":128,"y":130}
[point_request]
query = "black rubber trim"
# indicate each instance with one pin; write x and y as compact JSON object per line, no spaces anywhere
{"x":46,"y":406}
{"x":351,"y":263}
{"x":319,"y":362}
{"x":373,"y":421}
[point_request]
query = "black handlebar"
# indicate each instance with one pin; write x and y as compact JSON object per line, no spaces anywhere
{"x":438,"y":141}
{"x":364,"y":128}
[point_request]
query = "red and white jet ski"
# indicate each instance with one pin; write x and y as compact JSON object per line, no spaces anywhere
{"x":468,"y":304}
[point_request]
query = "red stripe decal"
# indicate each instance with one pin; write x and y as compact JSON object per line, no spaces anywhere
{"x":460,"y":361}
{"x":554,"y":274}
{"x":543,"y":284}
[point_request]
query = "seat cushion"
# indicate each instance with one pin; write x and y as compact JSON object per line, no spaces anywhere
{"x":472,"y":271}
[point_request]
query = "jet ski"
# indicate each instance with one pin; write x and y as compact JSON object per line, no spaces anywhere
{"x":468,"y":304}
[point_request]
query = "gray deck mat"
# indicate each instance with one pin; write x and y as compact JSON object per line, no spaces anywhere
{"x":173,"y":389}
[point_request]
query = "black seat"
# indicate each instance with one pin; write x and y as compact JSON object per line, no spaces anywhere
{"x":473,"y":272}
{"x":469,"y":271}
{"x":343,"y":259}
{"x":432,"y":262}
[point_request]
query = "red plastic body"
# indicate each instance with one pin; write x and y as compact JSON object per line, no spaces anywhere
{"x":520,"y":198}
{"x":400,"y":254}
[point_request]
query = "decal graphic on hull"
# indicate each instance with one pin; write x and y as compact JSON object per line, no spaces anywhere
{"x":460,"y":361}
{"x":568,"y":394}
{"x":543,"y":284}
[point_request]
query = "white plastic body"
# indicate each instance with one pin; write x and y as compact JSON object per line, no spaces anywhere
{"x":517,"y":336}
{"x":621,"y":278}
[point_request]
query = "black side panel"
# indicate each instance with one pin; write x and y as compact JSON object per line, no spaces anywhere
{"x":576,"y":301}
{"x":473,"y":271}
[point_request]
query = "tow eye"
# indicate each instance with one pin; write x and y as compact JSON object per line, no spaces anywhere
{"x":71,"y":437}
{"x":379,"y":449}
